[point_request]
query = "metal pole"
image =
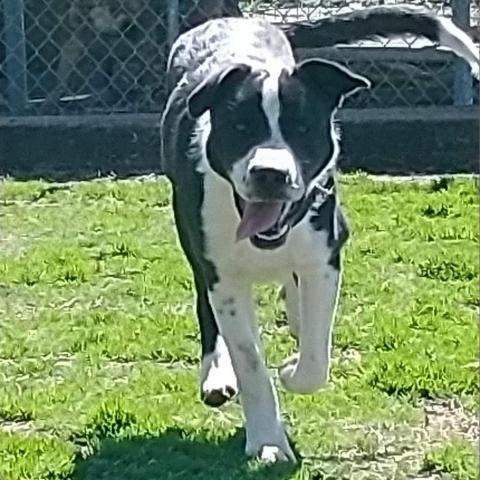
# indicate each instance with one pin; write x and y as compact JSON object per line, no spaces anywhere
{"x":173,"y":21}
{"x":16,"y":59}
{"x":463,"y":84}
{"x":173,"y":29}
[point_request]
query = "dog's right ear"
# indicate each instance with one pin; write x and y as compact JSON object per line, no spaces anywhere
{"x":205,"y":95}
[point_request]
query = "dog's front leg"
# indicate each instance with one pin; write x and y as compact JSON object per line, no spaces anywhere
{"x":233,"y":305}
{"x":318,"y":292}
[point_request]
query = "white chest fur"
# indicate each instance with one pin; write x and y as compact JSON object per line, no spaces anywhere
{"x":304,"y":250}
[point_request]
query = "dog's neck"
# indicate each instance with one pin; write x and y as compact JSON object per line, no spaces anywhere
{"x":317,"y":196}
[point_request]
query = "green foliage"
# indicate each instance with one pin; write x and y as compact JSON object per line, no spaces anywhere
{"x":457,"y":458}
{"x":99,"y":345}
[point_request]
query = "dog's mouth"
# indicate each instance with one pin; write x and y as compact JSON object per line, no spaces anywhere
{"x":262,"y":222}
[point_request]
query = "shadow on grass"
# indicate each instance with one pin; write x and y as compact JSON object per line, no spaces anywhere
{"x":178,"y":455}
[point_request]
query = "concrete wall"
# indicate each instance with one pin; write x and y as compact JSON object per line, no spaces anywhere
{"x":395,"y":141}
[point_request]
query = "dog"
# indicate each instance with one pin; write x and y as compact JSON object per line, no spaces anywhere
{"x":249,"y":145}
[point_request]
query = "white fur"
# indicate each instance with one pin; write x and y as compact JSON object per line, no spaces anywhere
{"x":292,"y":304}
{"x":271,"y":104}
{"x":217,"y":372}
{"x":309,"y":371}
{"x":460,"y":43}
{"x":233,"y":305}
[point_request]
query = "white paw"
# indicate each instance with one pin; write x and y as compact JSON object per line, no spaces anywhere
{"x":271,"y":448}
{"x":218,"y":379}
{"x":273,"y":454}
{"x":307,"y":381}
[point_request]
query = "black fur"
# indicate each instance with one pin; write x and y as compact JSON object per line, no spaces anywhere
{"x":364,"y":24}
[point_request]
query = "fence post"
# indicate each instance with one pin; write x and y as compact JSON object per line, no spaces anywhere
{"x":16,"y":59}
{"x":173,"y":29}
{"x":173,"y":21}
{"x":463,"y":84}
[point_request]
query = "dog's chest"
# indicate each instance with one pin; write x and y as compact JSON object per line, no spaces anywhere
{"x":305,"y":248}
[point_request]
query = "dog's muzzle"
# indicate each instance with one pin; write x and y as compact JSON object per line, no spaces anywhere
{"x":263,"y":222}
{"x":268,"y":223}
{"x":272,"y":174}
{"x":270,"y":183}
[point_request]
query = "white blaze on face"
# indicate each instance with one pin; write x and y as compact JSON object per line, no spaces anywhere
{"x":271,"y":104}
{"x":275,"y":153}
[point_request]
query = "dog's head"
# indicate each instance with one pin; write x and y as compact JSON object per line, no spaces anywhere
{"x":271,"y":136}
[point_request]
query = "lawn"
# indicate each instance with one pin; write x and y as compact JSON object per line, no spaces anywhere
{"x":99,"y":345}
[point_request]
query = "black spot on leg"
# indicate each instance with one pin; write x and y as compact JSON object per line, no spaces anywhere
{"x":229,"y":301}
{"x":220,"y":311}
{"x":232,"y":313}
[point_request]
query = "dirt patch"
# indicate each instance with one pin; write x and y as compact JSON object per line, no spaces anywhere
{"x":448,"y":418}
{"x":19,"y":426}
{"x":13,"y":245}
{"x":421,"y":178}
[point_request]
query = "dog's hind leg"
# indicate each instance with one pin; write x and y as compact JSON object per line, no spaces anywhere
{"x":218,"y":382}
{"x":318,"y":290}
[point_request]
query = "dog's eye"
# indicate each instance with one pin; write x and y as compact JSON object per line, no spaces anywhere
{"x":240,"y":127}
{"x":302,"y":129}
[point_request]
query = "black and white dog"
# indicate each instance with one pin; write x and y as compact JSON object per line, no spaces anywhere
{"x":249,"y":145}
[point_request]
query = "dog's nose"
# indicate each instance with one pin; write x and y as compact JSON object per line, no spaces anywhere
{"x":269,"y":177}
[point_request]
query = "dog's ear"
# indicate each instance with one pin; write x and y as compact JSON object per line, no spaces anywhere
{"x":205,"y":95}
{"x":331,"y":78}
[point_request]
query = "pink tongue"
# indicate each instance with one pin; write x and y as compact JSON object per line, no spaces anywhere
{"x":258,"y":217}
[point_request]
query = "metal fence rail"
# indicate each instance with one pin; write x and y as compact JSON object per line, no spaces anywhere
{"x":109,"y":56}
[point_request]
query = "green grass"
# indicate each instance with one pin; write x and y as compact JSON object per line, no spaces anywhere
{"x":457,"y":458}
{"x":99,"y":344}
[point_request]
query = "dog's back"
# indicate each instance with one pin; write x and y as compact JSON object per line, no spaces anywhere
{"x":223,"y":42}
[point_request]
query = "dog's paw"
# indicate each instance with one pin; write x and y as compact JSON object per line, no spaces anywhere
{"x":303,"y":382}
{"x":216,"y":397}
{"x":218,"y":379}
{"x":273,"y":451}
{"x":273,"y":454}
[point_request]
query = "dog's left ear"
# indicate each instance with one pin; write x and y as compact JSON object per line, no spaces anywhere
{"x":206,"y":94}
{"x":331,"y":78}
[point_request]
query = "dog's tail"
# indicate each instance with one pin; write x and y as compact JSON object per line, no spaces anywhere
{"x":384,"y":22}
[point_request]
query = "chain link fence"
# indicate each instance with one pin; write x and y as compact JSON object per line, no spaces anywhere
{"x":109,"y":56}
